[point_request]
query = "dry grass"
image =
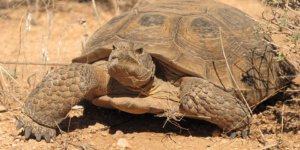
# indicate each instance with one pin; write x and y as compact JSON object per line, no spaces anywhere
{"x":50,"y":9}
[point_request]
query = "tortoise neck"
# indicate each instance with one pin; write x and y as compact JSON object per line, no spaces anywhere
{"x":144,"y":90}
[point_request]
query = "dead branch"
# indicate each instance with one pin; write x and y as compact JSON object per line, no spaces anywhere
{"x":76,"y":20}
{"x":96,"y":12}
{"x":32,"y":63}
{"x":245,"y":101}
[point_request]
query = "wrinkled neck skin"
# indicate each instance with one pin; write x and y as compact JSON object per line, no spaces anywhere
{"x":157,"y":88}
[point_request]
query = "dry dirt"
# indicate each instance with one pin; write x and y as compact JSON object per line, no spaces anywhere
{"x":98,"y":128}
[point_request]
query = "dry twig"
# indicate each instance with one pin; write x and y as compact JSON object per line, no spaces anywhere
{"x":61,"y":132}
{"x":245,"y":101}
{"x":32,"y":63}
{"x":59,"y":43}
{"x":96,"y":12}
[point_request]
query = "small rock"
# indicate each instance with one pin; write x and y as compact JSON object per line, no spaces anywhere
{"x":105,"y":134}
{"x":191,"y":138}
{"x":117,"y":135}
{"x":123,"y":143}
{"x":216,"y":133}
{"x":93,"y":129}
{"x":224,"y":141}
{"x":17,"y":140}
{"x":92,"y":143}
{"x":31,"y":140}
{"x":3,"y":109}
{"x":14,"y":145}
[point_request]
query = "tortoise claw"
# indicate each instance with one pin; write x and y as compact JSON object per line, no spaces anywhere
{"x":27,"y":132}
{"x":47,"y":137}
{"x":244,"y":134}
{"x":54,"y":136}
{"x":36,"y":129}
{"x":38,"y":135}
{"x":232,"y":135}
{"x":20,"y":125}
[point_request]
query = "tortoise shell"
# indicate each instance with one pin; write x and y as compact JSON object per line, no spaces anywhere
{"x":185,"y":35}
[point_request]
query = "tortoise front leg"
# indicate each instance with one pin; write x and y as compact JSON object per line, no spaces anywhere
{"x":204,"y":100}
{"x":49,"y":103}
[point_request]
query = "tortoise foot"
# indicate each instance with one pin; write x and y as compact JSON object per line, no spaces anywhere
{"x":204,"y":100}
{"x":33,"y":128}
{"x":233,"y":134}
{"x":49,"y":103}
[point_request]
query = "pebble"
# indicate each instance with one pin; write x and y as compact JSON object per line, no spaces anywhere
{"x":117,"y":135}
{"x":191,"y":138}
{"x":123,"y":143}
{"x":3,"y":109}
{"x":93,"y":129}
{"x":105,"y":134}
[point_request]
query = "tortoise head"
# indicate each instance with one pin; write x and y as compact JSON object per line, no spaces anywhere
{"x":130,"y":64}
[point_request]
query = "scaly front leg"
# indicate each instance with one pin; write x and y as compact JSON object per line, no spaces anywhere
{"x":53,"y":98}
{"x":204,"y":100}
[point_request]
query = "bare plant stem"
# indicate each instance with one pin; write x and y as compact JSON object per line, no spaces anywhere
{"x":15,"y":99}
{"x":59,"y":43}
{"x":14,"y":7}
{"x":245,"y":101}
{"x":96,"y":12}
{"x":1,"y":68}
{"x":31,"y":63}
{"x":282,"y":122}
{"x":66,"y":145}
{"x":117,"y":7}
{"x":27,"y":27}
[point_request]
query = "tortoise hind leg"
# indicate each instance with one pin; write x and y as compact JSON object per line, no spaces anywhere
{"x":49,"y":103}
{"x":203,"y":99}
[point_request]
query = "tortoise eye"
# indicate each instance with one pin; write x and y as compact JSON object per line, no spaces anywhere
{"x":114,"y":47}
{"x":140,"y":50}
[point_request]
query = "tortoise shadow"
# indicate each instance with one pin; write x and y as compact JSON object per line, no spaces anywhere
{"x":131,"y":123}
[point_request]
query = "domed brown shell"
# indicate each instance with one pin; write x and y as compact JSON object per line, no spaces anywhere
{"x":185,"y":35}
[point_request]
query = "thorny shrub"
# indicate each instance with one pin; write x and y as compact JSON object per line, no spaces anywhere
{"x":284,"y":19}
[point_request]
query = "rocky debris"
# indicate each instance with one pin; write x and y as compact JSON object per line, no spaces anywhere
{"x":123,"y":143}
{"x":86,"y":146}
{"x":105,"y":134}
{"x":93,"y":129}
{"x":117,"y":135}
{"x":3,"y":109}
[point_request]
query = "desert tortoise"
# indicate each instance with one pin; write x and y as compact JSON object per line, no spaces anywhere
{"x":162,"y":57}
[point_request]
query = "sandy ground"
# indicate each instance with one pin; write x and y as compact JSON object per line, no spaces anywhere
{"x":98,"y":128}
